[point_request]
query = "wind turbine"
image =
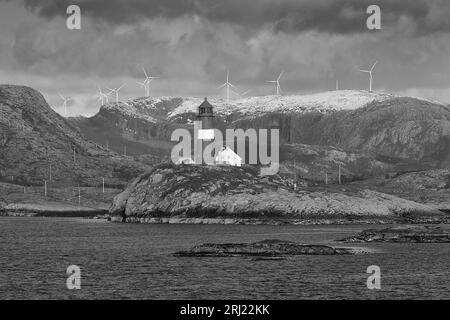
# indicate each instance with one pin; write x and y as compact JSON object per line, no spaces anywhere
{"x":370,"y":75}
{"x":102,"y":96}
{"x":146,"y":82}
{"x":116,"y":91}
{"x":277,"y":83}
{"x":65,"y":100}
{"x":228,"y":85}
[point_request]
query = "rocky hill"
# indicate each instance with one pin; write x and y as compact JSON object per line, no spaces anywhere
{"x":224,"y":194}
{"x":34,"y":140}
{"x":397,"y":129}
{"x":431,"y":187}
{"x":146,"y":123}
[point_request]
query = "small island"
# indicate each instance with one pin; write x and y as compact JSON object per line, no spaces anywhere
{"x":407,"y":233}
{"x":265,"y":248}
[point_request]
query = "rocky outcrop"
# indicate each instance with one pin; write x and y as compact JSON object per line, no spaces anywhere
{"x":190,"y":191}
{"x":265,"y":248}
{"x":49,"y":210}
{"x":422,"y":234}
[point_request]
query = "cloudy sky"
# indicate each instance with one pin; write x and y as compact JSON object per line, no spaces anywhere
{"x":190,"y":44}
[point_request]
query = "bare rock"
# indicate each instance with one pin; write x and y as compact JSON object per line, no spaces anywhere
{"x":265,"y":248}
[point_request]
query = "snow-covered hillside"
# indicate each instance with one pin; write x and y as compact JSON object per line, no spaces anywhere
{"x":322,"y":102}
{"x":167,"y":108}
{"x":137,"y":109}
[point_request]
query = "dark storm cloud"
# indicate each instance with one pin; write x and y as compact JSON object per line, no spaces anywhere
{"x":291,"y":16}
{"x":190,"y":45}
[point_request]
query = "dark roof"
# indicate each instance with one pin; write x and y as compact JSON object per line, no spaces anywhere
{"x":205,"y":103}
{"x":205,"y":109}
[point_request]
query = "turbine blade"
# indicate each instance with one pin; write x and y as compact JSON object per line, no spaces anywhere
{"x":145,"y":72}
{"x":374,"y":65}
{"x":222,"y":86}
{"x":121,"y":86}
{"x":278,"y":79}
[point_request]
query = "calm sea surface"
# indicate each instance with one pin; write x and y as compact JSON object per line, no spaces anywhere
{"x":134,"y":261}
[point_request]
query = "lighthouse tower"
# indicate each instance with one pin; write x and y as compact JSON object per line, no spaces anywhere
{"x":206,"y":116}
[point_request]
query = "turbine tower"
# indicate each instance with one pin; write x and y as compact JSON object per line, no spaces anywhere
{"x":278,"y":87}
{"x":102,"y":96}
{"x":370,"y":75}
{"x":116,"y":91}
{"x":65,"y":100}
{"x":228,"y":85}
{"x":144,"y":85}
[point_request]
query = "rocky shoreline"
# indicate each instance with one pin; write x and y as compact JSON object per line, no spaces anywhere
{"x":243,"y":221}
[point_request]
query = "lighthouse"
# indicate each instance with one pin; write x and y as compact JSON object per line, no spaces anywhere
{"x":205,"y":117}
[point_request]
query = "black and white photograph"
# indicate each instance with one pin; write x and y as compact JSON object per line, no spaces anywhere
{"x":225,"y":155}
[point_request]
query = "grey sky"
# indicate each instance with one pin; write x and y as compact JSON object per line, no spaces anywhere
{"x":191,"y":43}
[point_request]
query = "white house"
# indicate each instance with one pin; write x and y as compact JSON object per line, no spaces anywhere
{"x":228,"y":157}
{"x":185,"y":160}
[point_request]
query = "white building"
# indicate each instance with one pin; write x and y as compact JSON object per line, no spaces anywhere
{"x":184,"y":160}
{"x":228,"y":157}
